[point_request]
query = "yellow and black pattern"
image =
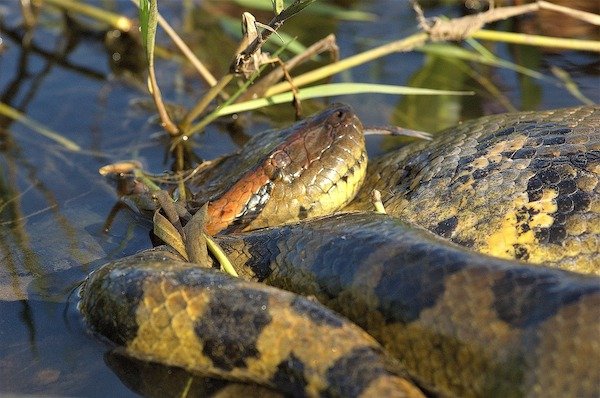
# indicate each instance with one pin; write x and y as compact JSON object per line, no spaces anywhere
{"x":166,"y":310}
{"x":461,"y":323}
{"x":519,"y":185}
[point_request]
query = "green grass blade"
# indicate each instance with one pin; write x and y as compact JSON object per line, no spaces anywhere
{"x":115,"y":20}
{"x":334,"y":89}
{"x":220,"y":255}
{"x":570,"y":85}
{"x":14,"y":114}
{"x":538,"y":41}
{"x":148,"y":22}
{"x":277,"y":6}
{"x":144,"y":11}
{"x":294,"y":8}
{"x":450,"y":50}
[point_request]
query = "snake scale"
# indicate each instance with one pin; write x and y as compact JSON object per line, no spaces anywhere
{"x":441,"y":319}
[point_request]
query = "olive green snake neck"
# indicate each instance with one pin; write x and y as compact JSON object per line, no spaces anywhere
{"x":460,"y":323}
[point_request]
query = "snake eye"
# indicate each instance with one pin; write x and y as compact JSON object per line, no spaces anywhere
{"x":280,"y":159}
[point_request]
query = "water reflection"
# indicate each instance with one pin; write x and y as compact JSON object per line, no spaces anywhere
{"x":155,"y":380}
{"x":52,"y":206}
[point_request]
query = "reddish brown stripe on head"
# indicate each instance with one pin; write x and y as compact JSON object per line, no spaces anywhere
{"x":223,"y":211}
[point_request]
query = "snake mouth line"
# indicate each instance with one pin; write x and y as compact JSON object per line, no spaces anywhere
{"x":253,"y":207}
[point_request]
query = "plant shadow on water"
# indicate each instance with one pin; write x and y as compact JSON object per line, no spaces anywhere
{"x":53,"y":203}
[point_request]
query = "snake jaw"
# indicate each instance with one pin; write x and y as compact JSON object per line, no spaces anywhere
{"x":253,"y":206}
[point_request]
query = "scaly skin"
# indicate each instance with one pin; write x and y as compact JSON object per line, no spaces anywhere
{"x":166,"y":310}
{"x":518,"y":186}
{"x":521,"y":186}
{"x":461,"y":323}
{"x":311,"y":169}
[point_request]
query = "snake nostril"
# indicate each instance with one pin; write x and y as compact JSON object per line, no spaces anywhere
{"x":338,"y":116}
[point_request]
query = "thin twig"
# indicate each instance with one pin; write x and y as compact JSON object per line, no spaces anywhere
{"x":581,"y":15}
{"x":185,"y":50}
{"x":246,"y":54}
{"x":461,"y":28}
{"x":257,"y":90}
{"x":403,"y":45}
{"x":120,"y":22}
{"x":205,"y":101}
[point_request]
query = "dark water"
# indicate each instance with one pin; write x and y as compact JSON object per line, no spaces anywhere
{"x":53,"y":202}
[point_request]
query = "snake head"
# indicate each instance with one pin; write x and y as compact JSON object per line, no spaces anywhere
{"x":309,"y":169}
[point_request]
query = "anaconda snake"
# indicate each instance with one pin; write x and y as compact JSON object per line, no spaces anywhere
{"x":460,"y":323}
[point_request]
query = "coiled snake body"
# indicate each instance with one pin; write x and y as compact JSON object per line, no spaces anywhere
{"x":521,"y":186}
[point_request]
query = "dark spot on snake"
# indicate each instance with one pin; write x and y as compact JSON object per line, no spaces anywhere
{"x":566,"y":187}
{"x":535,"y":141}
{"x":521,"y":252}
{"x":462,"y":179}
{"x":464,"y":242}
{"x":581,"y":201}
{"x":261,"y":250}
{"x":557,"y":234}
{"x":303,"y":213}
{"x":289,"y":377}
{"x":554,"y":140}
{"x":231,"y":326}
{"x":113,"y":311}
{"x":534,"y":184}
{"x":484,"y":144}
{"x":579,"y":160}
{"x":446,"y":227}
{"x":465,"y":160}
{"x":542,"y":235}
{"x":519,"y":291}
{"x":561,"y":131}
{"x":559,"y":219}
{"x":330,"y":263}
{"x":540,"y":163}
{"x":549,"y":176}
{"x":593,"y":156}
{"x":423,"y":286}
{"x":479,"y":173}
{"x":315,"y":312}
{"x":132,"y":293}
{"x":523,"y":227}
{"x":360,"y":365}
{"x":538,"y":129}
{"x":535,"y":195}
{"x":524,"y":153}
{"x":561,"y":160}
{"x":504,"y":132}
